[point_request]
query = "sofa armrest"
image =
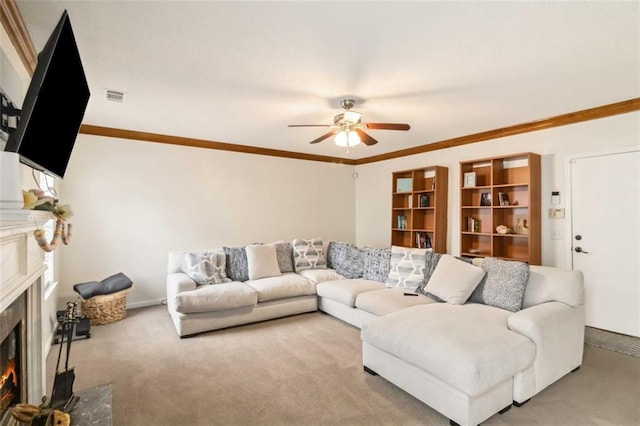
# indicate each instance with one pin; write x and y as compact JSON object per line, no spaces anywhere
{"x":177,"y":283}
{"x":557,"y":330}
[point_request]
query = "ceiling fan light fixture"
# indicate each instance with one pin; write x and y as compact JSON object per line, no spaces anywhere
{"x":352,"y":117}
{"x":347,"y":139}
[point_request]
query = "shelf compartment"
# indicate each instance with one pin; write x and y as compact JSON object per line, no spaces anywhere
{"x":517,"y":195}
{"x":402,"y":238}
{"x":509,"y":217}
{"x":511,"y":248}
{"x":483,"y":215}
{"x":470,"y":197}
{"x":471,"y":242}
{"x":511,"y":170}
{"x":423,"y":219}
{"x":397,"y":221}
{"x":482,"y":170}
{"x":401,"y":200}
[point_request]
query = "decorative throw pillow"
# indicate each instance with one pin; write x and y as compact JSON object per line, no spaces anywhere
{"x":430,"y":262}
{"x":206,"y":267}
{"x":285,"y":257}
{"x":407,"y":267}
{"x":453,"y":281}
{"x":307,"y":254}
{"x":335,"y":253}
{"x":352,"y":265}
{"x":377,"y":264}
{"x":237,"y":267}
{"x":504,"y":285}
{"x":262,"y":261}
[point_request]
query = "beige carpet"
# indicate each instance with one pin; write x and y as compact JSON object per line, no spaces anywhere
{"x":303,"y":370}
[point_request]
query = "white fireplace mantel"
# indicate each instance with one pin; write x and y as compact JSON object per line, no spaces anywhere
{"x":21,"y":269}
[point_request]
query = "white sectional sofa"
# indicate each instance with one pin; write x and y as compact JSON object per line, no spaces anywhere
{"x":454,"y":340}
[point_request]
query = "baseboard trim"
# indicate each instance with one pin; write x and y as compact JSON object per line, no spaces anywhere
{"x":144,"y":304}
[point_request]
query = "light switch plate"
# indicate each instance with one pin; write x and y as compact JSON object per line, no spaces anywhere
{"x":556,"y":213}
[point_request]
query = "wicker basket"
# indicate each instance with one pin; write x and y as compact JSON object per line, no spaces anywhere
{"x":105,"y":309}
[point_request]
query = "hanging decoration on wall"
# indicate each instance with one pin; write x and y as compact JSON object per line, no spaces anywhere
{"x":35,"y":199}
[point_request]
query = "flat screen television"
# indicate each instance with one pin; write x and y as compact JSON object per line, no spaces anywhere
{"x":54,"y":105}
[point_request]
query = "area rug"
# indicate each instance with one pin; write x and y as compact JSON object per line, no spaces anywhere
{"x":622,"y":343}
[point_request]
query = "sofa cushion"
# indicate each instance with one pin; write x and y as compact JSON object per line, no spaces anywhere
{"x":453,"y":281}
{"x":377,"y":264}
{"x":213,"y":298}
{"x":308,"y":254}
{"x":321,"y":275}
{"x":469,"y":347}
{"x":352,"y":265}
{"x":262,"y":261}
{"x":286,"y":285}
{"x":346,"y":291}
{"x":504,"y":284}
{"x":237,"y":266}
{"x":388,"y":300}
{"x":547,"y":284}
{"x":430,"y":262}
{"x":206,"y":267}
{"x":407,"y":267}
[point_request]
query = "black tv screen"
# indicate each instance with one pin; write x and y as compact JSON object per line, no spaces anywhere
{"x":54,"y":105}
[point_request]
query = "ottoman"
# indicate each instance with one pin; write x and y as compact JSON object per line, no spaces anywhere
{"x":458,"y":359}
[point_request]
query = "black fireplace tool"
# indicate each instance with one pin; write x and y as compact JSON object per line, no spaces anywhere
{"x":62,"y":396}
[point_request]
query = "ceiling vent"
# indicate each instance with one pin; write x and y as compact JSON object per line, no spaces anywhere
{"x":115,"y":96}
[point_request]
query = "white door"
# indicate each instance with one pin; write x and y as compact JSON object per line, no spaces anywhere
{"x":605,"y":225}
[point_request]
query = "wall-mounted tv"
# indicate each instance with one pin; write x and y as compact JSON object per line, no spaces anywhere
{"x":54,"y":105}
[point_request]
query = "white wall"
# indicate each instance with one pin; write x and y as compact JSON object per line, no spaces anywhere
{"x":373,"y":186}
{"x":135,"y":201}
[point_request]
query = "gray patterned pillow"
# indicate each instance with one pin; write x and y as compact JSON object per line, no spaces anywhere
{"x":284,"y":253}
{"x":504,"y":284}
{"x":237,"y":265}
{"x":377,"y":263}
{"x":352,"y":265}
{"x":307,"y":254}
{"x":206,"y":267}
{"x":335,"y":253}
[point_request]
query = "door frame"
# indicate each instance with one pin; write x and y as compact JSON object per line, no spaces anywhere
{"x":568,"y":231}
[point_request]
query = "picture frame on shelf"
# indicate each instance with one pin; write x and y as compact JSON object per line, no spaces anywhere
{"x":521,"y":225}
{"x":404,"y":185}
{"x":469,"y":180}
{"x":485,"y":199}
{"x":503,"y":199}
{"x":424,"y":200}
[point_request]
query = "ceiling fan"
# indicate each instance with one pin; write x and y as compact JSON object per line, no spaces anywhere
{"x":348,"y":127}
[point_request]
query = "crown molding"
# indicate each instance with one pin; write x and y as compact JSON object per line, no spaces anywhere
{"x":88,"y":129}
{"x":532,"y":126}
{"x":14,"y":26}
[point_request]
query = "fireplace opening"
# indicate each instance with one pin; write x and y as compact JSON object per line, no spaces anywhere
{"x":10,"y":370}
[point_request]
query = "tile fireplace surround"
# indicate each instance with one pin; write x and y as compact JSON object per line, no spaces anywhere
{"x":21,"y":279}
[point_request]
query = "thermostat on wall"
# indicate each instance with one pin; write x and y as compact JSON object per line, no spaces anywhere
{"x":555,"y":197}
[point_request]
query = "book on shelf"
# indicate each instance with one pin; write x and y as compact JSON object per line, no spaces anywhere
{"x":423,"y":240}
{"x":473,"y":224}
{"x":402,"y":222}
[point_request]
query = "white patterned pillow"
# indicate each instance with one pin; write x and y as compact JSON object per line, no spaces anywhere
{"x":407,"y":267}
{"x":352,"y":265}
{"x":307,"y":254}
{"x":206,"y":267}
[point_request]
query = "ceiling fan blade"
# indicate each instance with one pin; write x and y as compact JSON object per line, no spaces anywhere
{"x":310,"y":125}
{"x":387,"y":126}
{"x":365,"y":138}
{"x":325,"y":136}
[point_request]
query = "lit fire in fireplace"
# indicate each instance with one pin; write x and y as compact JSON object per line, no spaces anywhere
{"x":8,"y":384}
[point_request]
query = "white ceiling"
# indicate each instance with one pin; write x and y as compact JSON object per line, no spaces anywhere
{"x":240,"y":72}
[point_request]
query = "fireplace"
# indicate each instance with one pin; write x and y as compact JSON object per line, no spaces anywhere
{"x":22,"y":351}
{"x":13,"y":372}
